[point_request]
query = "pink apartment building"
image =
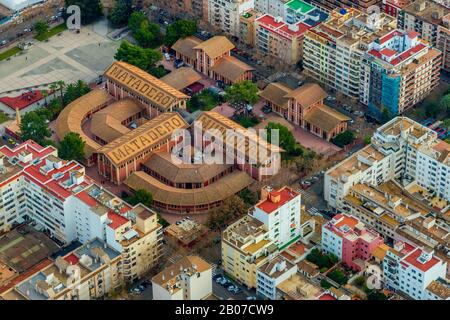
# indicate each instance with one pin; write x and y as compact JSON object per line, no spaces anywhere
{"x":347,"y":238}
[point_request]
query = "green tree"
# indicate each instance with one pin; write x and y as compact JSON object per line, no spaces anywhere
{"x":344,"y":138}
{"x":325,"y":284}
{"x":242,"y":92}
{"x":444,"y":103}
{"x":249,"y":197}
{"x":120,"y":13}
{"x":286,"y":139}
{"x":178,"y":30}
{"x":148,"y":35}
{"x":41,"y":28}
{"x":232,"y":208}
{"x":72,"y":147}
{"x":446,"y":123}
{"x":135,"y":21}
{"x":33,"y":126}
{"x":141,"y":196}
{"x":91,"y":10}
{"x":144,"y":59}
{"x":75,"y":90}
{"x":367,"y":139}
{"x":338,"y":276}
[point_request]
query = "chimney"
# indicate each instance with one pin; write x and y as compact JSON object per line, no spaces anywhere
{"x":274,"y":197}
{"x":399,"y":246}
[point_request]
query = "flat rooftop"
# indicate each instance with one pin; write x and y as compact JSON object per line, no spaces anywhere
{"x":23,"y":248}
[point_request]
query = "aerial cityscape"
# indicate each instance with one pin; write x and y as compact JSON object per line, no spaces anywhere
{"x":222,"y":150}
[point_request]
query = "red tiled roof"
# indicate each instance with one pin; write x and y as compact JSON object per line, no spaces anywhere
{"x":24,"y":100}
{"x":389,"y":36}
{"x":116,"y":220}
{"x":327,"y":296}
{"x":270,"y":21}
{"x":412,"y":259}
{"x":72,"y":259}
{"x":406,"y":54}
{"x":285,"y":195}
{"x":302,"y":28}
{"x":388,"y":52}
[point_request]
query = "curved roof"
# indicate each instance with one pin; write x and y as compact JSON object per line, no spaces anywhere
{"x":144,"y":85}
{"x":107,"y":123}
{"x":218,"y":191}
{"x":74,"y":114}
{"x":183,"y":173}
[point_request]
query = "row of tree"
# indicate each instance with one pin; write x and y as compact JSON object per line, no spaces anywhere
{"x":34,"y":124}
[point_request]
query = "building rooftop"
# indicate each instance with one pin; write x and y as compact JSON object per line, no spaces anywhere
{"x":277,"y":199}
{"x":297,"y":287}
{"x":440,"y":287}
{"x":188,"y":266}
{"x":428,"y":11}
{"x":53,"y":281}
{"x":215,"y":46}
{"x":424,"y":264}
{"x":276,"y":267}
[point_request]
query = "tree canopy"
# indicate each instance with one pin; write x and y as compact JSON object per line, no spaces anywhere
{"x":34,"y":126}
{"x":344,"y":138}
{"x":178,"y":30}
{"x":242,"y":92}
{"x":286,"y":139}
{"x":137,"y":56}
{"x":71,"y":147}
{"x":75,"y":91}
{"x":91,"y":10}
{"x":146,"y":33}
{"x":231,"y":208}
{"x":41,"y":27}
{"x":120,"y":13}
{"x":141,"y":196}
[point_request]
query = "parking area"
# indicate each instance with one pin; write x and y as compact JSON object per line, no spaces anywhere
{"x":226,"y":289}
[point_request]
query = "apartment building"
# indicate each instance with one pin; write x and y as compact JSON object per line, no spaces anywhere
{"x":188,"y":279}
{"x":283,"y":41}
{"x":347,"y":238}
{"x":246,"y":245}
{"x":279,"y":210}
{"x":333,"y":51}
{"x":330,"y":5}
{"x":438,"y":289}
{"x":276,"y":8}
{"x":58,"y":195}
{"x":224,"y":14}
{"x":393,"y":7}
{"x":247,"y":27}
{"x":411,"y":269}
{"x":90,"y":272}
{"x":273,"y":273}
{"x":401,"y":149}
{"x":398,"y":71}
{"x":431,"y":21}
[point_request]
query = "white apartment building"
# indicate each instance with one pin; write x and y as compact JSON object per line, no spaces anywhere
{"x":224,"y":14}
{"x":333,"y":51}
{"x":271,"y":274}
{"x":276,"y":8}
{"x":279,"y":210}
{"x":188,"y":279}
{"x":411,"y":270}
{"x":401,"y":149}
{"x":90,"y":272}
{"x":38,"y":186}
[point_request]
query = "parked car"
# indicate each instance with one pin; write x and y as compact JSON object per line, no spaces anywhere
{"x":167,"y":56}
{"x":231,"y":288}
{"x":236,"y":290}
{"x":178,"y":63}
{"x":267,"y":109}
{"x":250,"y":298}
{"x":219,"y":280}
{"x":358,"y":113}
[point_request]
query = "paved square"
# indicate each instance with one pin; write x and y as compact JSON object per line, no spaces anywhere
{"x":69,"y":57}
